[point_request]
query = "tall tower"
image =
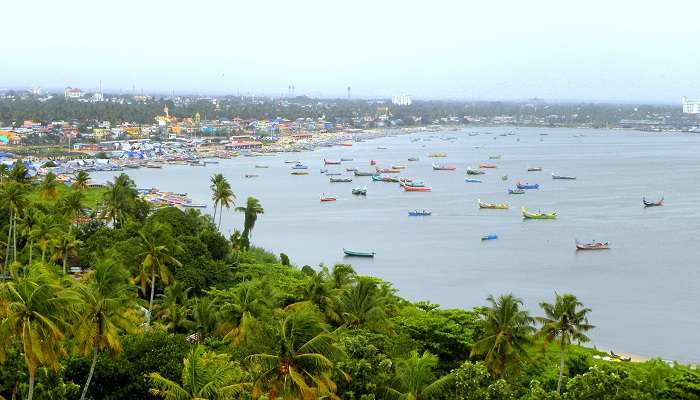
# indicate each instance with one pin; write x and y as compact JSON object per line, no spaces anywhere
{"x":348,"y":92}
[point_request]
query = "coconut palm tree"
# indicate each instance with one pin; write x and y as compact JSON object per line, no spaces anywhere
{"x":119,"y":200}
{"x":81,"y":180}
{"x":4,"y":172}
{"x":19,"y":173}
{"x":415,"y":379}
{"x":45,"y":231}
{"x":65,"y":246}
{"x":205,"y":375}
{"x":302,"y":365}
{"x":157,"y":249}
{"x":221,"y":194}
{"x":318,"y":292}
{"x":48,"y":188}
{"x":342,"y":275}
{"x":564,"y":321}
{"x":37,"y":312}
{"x":363,"y":306}
{"x":216,"y":182}
{"x":251,"y":211}
{"x":240,"y":307}
{"x":172,"y":309}
{"x":107,"y":305}
{"x":71,"y":206}
{"x":507,"y":331}
{"x":13,"y":196}
{"x":28,"y":226}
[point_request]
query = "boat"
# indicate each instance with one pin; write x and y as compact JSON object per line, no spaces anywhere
{"x":372,"y":162}
{"x":260,"y":166}
{"x":363,"y":173}
{"x":299,"y":173}
{"x":538,"y":215}
{"x":398,"y":166}
{"x":443,"y":167}
{"x":388,"y":170}
{"x":382,"y":148}
{"x":413,"y":159}
{"x":593,"y":246}
{"x":325,"y":198}
{"x":331,"y":162}
{"x":346,"y":144}
{"x":360,"y":191}
{"x":323,"y":170}
{"x":350,"y":253}
{"x":340,"y":180}
{"x":504,"y":178}
{"x":470,"y":180}
{"x":494,"y":157}
{"x":488,"y":166}
{"x":194,"y":205}
{"x":471,"y":171}
{"x":408,"y":188}
{"x":153,"y":165}
{"x":528,"y":185}
{"x":290,"y":162}
{"x":656,"y":203}
{"x":379,"y":178}
{"x":496,"y":206}
{"x":333,"y":174}
{"x":489,"y":236}
{"x":437,"y":155}
{"x":417,"y":213}
{"x":350,"y":169}
{"x":346,"y":159}
{"x":516,"y":191}
{"x":534,"y":169}
{"x":300,"y":166}
{"x":251,"y":175}
{"x":554,"y":176}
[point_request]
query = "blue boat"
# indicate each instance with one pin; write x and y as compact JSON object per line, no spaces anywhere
{"x":300,"y":166}
{"x":489,"y":236}
{"x":469,"y":180}
{"x":528,"y":185}
{"x":417,"y":213}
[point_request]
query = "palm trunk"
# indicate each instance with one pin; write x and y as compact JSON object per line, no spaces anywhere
{"x":43,"y":254}
{"x":561,"y":370}
{"x":220,"y":214}
{"x":65,"y":261}
{"x":92,"y":369}
{"x":153,"y":289}
{"x":14,"y":238}
{"x":31,"y":247}
{"x":31,"y":385}
{"x":215,"y":207}
{"x":7,"y":252}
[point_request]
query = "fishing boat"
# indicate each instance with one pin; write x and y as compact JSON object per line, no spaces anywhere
{"x":489,"y":236}
{"x":388,"y":170}
{"x":379,"y":178}
{"x":325,"y":198}
{"x":260,"y":166}
{"x":382,"y":148}
{"x":363,"y":173}
{"x":350,"y":253}
{"x":471,"y":180}
{"x":300,"y":166}
{"x":299,"y":173}
{"x":323,"y":170}
{"x":437,"y":155}
{"x":333,"y":174}
{"x":251,"y":175}
{"x":516,"y":191}
{"x":494,"y":157}
{"x":592,"y":246}
{"x":398,"y":166}
{"x":372,"y":162}
{"x":346,"y":159}
{"x":488,"y":166}
{"x":534,"y":169}
{"x":528,"y":185}
{"x":419,"y":213}
{"x":656,"y":203}
{"x":413,"y":159}
{"x":496,"y":206}
{"x":471,"y":171}
{"x":360,"y":191}
{"x":504,"y":178}
{"x":346,"y":144}
{"x":153,"y":165}
{"x":443,"y":167}
{"x":408,"y":188}
{"x":554,"y":176}
{"x":290,"y":162}
{"x":331,"y":162}
{"x":340,"y":180}
{"x":350,"y":169}
{"x":538,"y":215}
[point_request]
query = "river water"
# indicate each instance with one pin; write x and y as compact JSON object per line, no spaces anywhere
{"x":644,"y":292}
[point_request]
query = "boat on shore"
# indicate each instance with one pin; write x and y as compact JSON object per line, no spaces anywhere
{"x":592,"y":246}
{"x":153,"y":165}
{"x":340,"y":180}
{"x":443,"y":167}
{"x":516,"y":191}
{"x":534,"y":169}
{"x":351,"y":253}
{"x":495,"y":206}
{"x":489,"y":236}
{"x":555,"y":176}
{"x":471,"y":180}
{"x":331,"y":162}
{"x":538,"y":215}
{"x":471,"y":171}
{"x":488,"y":166}
{"x":656,"y":203}
{"x":325,"y":198}
{"x":526,"y":185}
{"x":360,"y":191}
{"x":419,"y":213}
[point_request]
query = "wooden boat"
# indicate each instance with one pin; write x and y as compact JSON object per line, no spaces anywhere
{"x":350,"y":253}
{"x":362,"y":173}
{"x":194,"y":205}
{"x":290,"y":162}
{"x":388,"y":171}
{"x":345,"y":159}
{"x":471,"y":171}
{"x":437,"y":155}
{"x":398,"y":166}
{"x":504,"y":178}
{"x":443,"y":167}
{"x":153,"y":165}
{"x":528,"y":185}
{"x":360,"y":191}
{"x":300,"y":166}
{"x":488,"y":166}
{"x":331,"y":162}
{"x":323,"y":170}
{"x":538,"y":215}
{"x":412,"y":183}
{"x":379,"y":178}
{"x":350,"y":169}
{"x":470,"y":180}
{"x":333,"y":174}
{"x":554,"y":176}
{"x":417,"y":213}
{"x":656,"y":203}
{"x":516,"y":191}
{"x":299,"y":173}
{"x":408,"y":188}
{"x":346,"y":144}
{"x":489,"y":236}
{"x":325,"y":198}
{"x":413,"y":159}
{"x":592,"y":246}
{"x":251,"y":175}
{"x":493,"y":205}
{"x":372,"y":162}
{"x":494,"y":157}
{"x":534,"y":169}
{"x":260,"y":166}
{"x":340,"y":180}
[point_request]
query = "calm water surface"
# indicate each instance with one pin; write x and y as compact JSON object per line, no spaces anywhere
{"x":644,"y":292}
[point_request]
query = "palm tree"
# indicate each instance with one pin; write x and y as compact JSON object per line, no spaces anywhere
{"x":107,"y":302}
{"x":302,"y":366}
{"x":415,"y":379}
{"x":81,"y":180}
{"x":45,"y":230}
{"x":19,"y":172}
{"x":65,"y":246}
{"x":563,"y":321}
{"x":48,"y":187}
{"x":37,"y":311}
{"x":507,"y":331}
{"x":239,"y":309}
{"x":251,"y":211}
{"x":119,"y":200}
{"x":71,"y":205}
{"x":172,"y":309}
{"x":205,"y":375}
{"x":342,"y":275}
{"x":4,"y":171}
{"x":13,"y":196}
{"x":28,"y":226}
{"x":157,"y":249}
{"x":363,"y":306}
{"x":319,"y":293}
{"x":221,"y":194}
{"x":216,"y":182}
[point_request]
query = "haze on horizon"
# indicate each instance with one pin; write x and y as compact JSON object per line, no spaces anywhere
{"x":595,"y":50}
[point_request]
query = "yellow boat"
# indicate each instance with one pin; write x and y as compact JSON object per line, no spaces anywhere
{"x":493,"y":205}
{"x":437,"y":155}
{"x":300,"y":173}
{"x":398,"y":166}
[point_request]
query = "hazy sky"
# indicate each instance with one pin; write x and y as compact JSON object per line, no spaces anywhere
{"x":490,"y":49}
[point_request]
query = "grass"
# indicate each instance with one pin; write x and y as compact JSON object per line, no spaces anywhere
{"x":93,"y":196}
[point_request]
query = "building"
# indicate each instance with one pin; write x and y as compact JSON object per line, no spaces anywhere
{"x":401,"y":100}
{"x":73,"y":93}
{"x":690,"y":106}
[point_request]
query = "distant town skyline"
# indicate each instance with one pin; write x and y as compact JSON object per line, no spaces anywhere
{"x":598,"y":51}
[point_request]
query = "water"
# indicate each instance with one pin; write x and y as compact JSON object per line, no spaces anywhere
{"x":643,"y":292}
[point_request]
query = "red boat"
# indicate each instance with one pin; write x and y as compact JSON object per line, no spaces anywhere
{"x":331,"y":162}
{"x":487,"y":165}
{"x":416,"y":188}
{"x":593,"y":246}
{"x":372,"y":162}
{"x":325,"y":198}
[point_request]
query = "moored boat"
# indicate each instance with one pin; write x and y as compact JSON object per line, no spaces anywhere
{"x":340,"y":180}
{"x":300,"y":166}
{"x":331,"y":162}
{"x":398,"y":166}
{"x":489,"y":236}
{"x":471,"y":180}
{"x":251,"y":175}
{"x":471,"y":171}
{"x":437,"y":155}
{"x":555,"y":176}
{"x":487,"y":165}
{"x":333,"y":174}
{"x":299,"y":173}
{"x":419,"y":213}
{"x":592,"y":246}
{"x":413,"y":159}
{"x":656,"y":203}
{"x":526,"y":185}
{"x":388,"y":170}
{"x":516,"y":191}
{"x":326,"y":198}
{"x":360,"y":191}
{"x":351,"y":253}
{"x":443,"y":167}
{"x":538,"y":215}
{"x":534,"y":169}
{"x":350,"y":169}
{"x":496,"y":206}
{"x":363,"y":173}
{"x":494,"y":157}
{"x":260,"y":166}
{"x":346,"y":159}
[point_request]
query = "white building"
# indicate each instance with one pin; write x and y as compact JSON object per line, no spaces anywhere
{"x":690,"y":106}
{"x":73,"y":93}
{"x":401,"y":100}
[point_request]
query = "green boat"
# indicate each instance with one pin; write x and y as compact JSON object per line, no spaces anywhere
{"x":357,"y":253}
{"x":539,"y":215}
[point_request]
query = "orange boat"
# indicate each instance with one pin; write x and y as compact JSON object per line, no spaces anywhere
{"x":487,"y":165}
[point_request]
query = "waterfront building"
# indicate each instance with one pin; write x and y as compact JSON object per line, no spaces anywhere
{"x":690,"y":106}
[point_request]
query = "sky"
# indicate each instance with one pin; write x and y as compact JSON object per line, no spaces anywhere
{"x":593,"y":50}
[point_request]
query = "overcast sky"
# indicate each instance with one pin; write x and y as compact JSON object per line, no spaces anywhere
{"x":608,"y":50}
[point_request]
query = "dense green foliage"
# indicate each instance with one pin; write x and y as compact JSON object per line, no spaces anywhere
{"x":228,"y":320}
